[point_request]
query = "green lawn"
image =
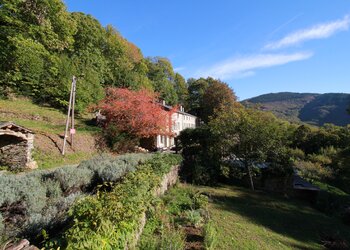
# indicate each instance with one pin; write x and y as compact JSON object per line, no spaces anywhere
{"x":255,"y":220}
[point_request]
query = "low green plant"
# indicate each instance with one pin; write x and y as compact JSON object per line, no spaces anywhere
{"x":110,"y":219}
{"x":2,"y":168}
{"x":210,"y":235}
{"x":72,"y":177}
{"x":194,"y":218}
{"x":172,"y":239}
{"x":180,"y":199}
{"x":40,"y":197}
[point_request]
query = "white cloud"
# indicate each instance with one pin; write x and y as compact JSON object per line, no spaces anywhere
{"x":244,"y":66}
{"x":316,"y":32}
{"x":178,"y":69}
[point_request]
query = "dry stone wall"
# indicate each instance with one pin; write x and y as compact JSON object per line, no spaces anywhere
{"x":168,"y":181}
{"x":13,"y":151}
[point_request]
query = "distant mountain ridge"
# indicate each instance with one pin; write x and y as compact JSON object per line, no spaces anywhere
{"x":311,"y":108}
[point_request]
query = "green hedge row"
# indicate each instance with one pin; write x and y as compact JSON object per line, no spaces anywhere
{"x":40,"y":199}
{"x":109,"y":220}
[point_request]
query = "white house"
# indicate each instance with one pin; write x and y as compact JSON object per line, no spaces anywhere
{"x":180,"y":120}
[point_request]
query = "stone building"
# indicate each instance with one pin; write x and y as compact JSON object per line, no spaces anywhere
{"x":180,"y":120}
{"x":16,"y":144}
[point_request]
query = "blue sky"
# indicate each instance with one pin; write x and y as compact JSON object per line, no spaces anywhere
{"x":257,"y":47}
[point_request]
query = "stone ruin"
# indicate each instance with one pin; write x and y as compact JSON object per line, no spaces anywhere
{"x":16,"y":144}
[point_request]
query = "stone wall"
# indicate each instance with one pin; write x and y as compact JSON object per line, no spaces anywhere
{"x":168,"y":181}
{"x":13,"y":152}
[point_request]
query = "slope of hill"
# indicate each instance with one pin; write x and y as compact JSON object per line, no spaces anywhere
{"x":256,"y":220}
{"x":48,"y":125}
{"x":315,"y":109}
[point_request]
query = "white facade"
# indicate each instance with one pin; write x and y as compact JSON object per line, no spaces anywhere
{"x":180,"y":121}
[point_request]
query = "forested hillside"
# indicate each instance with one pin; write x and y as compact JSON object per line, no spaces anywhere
{"x":315,"y":109}
{"x":43,"y":46}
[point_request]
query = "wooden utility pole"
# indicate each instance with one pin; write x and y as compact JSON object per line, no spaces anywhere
{"x":70,"y":114}
{"x":72,"y":130}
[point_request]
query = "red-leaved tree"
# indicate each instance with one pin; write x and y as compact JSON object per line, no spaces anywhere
{"x":136,"y":113}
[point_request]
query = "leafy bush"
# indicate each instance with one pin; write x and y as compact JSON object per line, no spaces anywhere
{"x":321,"y":159}
{"x":35,"y":200}
{"x":112,"y":218}
{"x":312,"y":171}
{"x":194,"y":217}
{"x":297,"y":154}
{"x":179,"y":208}
{"x":71,"y":177}
{"x":107,"y":169}
{"x":179,"y":200}
{"x":201,"y":163}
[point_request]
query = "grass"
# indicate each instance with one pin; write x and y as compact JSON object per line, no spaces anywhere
{"x":255,"y":220}
{"x":41,"y":118}
{"x":331,"y":189}
{"x":47,"y":121}
{"x":47,"y":161}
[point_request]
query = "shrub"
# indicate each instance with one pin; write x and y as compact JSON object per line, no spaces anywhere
{"x":312,"y":171}
{"x":39,"y":199}
{"x":321,"y":159}
{"x":194,"y":217}
{"x":72,"y":177}
{"x":112,"y":218}
{"x":179,"y":200}
{"x":107,"y":168}
{"x":179,"y":208}
{"x":201,"y":164}
{"x":297,"y":154}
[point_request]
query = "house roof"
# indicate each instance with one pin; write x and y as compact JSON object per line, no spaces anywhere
{"x":14,"y":127}
{"x":177,"y":111}
{"x":300,"y":183}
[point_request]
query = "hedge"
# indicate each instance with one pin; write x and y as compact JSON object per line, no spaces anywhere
{"x":40,"y":199}
{"x":110,"y":220}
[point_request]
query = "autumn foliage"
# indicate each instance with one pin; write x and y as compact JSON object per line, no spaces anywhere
{"x":136,"y":113}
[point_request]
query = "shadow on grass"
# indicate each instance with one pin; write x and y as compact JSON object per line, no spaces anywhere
{"x":287,"y":217}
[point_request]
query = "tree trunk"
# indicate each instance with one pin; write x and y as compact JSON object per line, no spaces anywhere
{"x":250,"y":177}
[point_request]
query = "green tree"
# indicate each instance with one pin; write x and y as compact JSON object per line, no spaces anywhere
{"x":125,"y":65}
{"x":201,"y":160}
{"x":162,"y":76}
{"x":218,"y":96}
{"x":248,"y":136}
{"x":181,"y":88}
{"x":32,"y":33}
{"x":196,"y":90}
